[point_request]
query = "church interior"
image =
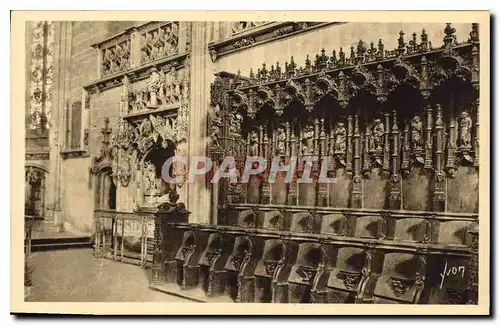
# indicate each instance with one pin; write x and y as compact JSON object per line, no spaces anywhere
{"x":395,"y":104}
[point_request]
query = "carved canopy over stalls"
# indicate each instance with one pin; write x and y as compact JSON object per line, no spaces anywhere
{"x":367,"y":106}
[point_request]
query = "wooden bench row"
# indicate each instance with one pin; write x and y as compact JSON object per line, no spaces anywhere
{"x":286,"y":266}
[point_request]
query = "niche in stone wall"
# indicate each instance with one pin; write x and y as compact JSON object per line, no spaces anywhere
{"x":154,"y":187}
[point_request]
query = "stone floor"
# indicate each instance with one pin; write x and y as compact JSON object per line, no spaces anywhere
{"x":75,"y":275}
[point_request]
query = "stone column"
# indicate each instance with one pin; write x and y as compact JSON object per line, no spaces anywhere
{"x":198,"y":201}
{"x":62,"y":57}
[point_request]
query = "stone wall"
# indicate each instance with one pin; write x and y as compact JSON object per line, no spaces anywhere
{"x":77,"y":198}
{"x":331,"y":38}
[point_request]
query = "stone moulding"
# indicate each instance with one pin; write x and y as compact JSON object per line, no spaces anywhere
{"x":74,"y":154}
{"x":142,"y":72}
{"x":169,"y":110}
{"x":37,"y":156}
{"x":260,"y":35}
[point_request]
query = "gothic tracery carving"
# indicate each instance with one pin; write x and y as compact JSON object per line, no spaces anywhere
{"x":116,"y":57}
{"x":159,"y":42}
{"x":41,"y":77}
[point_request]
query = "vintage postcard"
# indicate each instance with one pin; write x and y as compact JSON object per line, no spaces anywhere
{"x":319,"y":163}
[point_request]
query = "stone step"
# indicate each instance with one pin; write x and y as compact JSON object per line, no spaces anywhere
{"x":195,"y":294}
{"x":60,"y":243}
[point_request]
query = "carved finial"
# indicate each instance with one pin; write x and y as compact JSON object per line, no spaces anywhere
{"x":372,"y":51}
{"x":308,"y":62}
{"x":341,"y":57}
{"x":353,"y":55}
{"x":333,"y":59}
{"x":450,"y":37}
{"x":252,"y":75}
{"x":474,"y":34}
{"x":424,"y":45}
{"x":401,"y":43}
{"x":263,"y":71}
{"x":361,"y":48}
{"x":401,"y":39}
{"x":272,"y":72}
{"x":380,"y":53}
{"x":321,"y":60}
{"x":292,"y":66}
{"x":278,"y":70}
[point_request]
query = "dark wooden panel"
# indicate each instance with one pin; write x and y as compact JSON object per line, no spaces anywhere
{"x":375,"y":190}
{"x":416,"y":190}
{"x":339,"y":192}
{"x":463,"y":190}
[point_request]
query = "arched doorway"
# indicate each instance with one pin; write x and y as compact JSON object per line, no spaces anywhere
{"x":34,"y":197}
{"x":106,"y":190}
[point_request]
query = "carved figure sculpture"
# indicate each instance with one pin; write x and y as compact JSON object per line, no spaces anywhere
{"x":154,"y":85}
{"x":280,"y":141}
{"x":308,"y":140}
{"x":416,"y":132}
{"x":151,"y":183}
{"x":465,"y":130}
{"x":376,"y":139}
{"x":340,"y":138}
{"x":235,"y":125}
{"x":140,"y":100}
{"x":146,"y":128}
{"x":254,"y":144}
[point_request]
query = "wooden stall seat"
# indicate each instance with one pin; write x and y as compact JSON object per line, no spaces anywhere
{"x":335,"y":224}
{"x":303,"y":272}
{"x":303,"y":222}
{"x":283,"y":266}
{"x":247,"y":219}
{"x":401,"y":279}
{"x":369,"y":226}
{"x":187,"y":258}
{"x":273,"y":220}
{"x":346,"y":276}
{"x":212,"y":261}
{"x":411,"y":229}
{"x":273,"y":259}
{"x":240,"y":267}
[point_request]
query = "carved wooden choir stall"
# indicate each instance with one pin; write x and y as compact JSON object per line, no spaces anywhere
{"x":397,"y":224}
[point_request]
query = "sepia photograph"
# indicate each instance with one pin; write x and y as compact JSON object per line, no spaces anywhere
{"x":305,"y":160}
